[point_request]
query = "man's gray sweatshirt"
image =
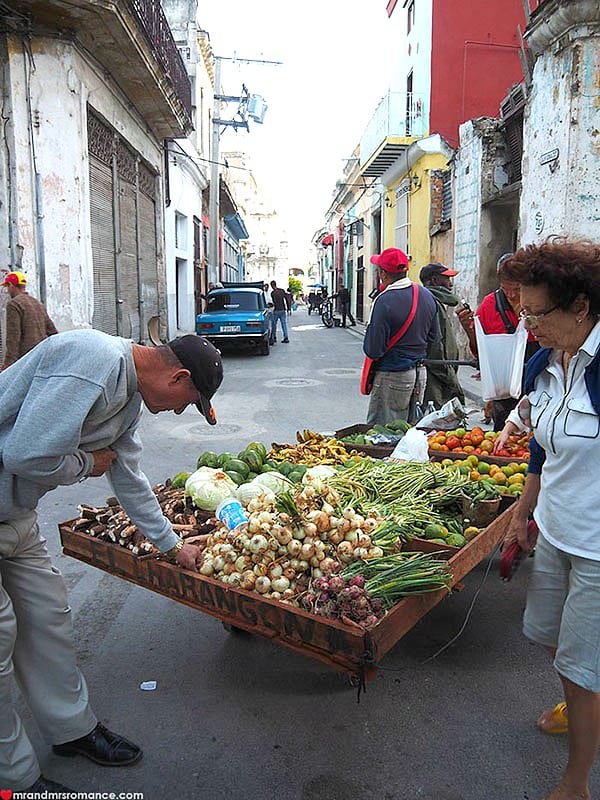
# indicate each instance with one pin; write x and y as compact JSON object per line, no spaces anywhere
{"x":74,"y":393}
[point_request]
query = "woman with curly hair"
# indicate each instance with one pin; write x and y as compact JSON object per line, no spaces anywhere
{"x":560,"y":303}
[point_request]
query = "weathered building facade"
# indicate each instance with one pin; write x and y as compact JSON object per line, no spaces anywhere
{"x":561,"y":133}
{"x":90,"y":94}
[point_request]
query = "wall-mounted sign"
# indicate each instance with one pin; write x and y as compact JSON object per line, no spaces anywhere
{"x":549,"y":157}
{"x":539,"y":222}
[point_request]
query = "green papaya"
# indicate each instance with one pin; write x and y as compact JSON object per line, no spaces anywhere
{"x":224,"y":459}
{"x":237,"y":465}
{"x":208,"y":459}
{"x":179,"y":480}
{"x":235,"y":477}
{"x":253,"y":459}
{"x":260,"y":449}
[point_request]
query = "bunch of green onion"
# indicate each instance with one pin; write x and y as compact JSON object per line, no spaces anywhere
{"x":396,"y":576}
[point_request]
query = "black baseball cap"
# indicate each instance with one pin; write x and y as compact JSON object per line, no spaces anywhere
{"x":436,"y":268}
{"x":204,"y":362}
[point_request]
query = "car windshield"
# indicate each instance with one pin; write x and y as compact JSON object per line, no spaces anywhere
{"x":234,"y":301}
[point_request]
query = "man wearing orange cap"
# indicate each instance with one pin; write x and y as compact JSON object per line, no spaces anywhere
{"x":27,"y":321}
{"x":400,"y":377}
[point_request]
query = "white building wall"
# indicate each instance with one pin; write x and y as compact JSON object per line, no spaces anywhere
{"x":563,"y":114}
{"x":186,"y":183}
{"x":414,"y":52}
{"x":467,"y":214}
{"x":61,"y":85}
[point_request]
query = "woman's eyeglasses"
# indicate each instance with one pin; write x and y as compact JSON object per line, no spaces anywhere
{"x":533,"y":320}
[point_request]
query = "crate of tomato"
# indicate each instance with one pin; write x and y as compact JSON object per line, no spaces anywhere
{"x":460,"y":442}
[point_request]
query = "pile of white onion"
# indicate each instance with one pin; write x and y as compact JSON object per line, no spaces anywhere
{"x":277,"y":554}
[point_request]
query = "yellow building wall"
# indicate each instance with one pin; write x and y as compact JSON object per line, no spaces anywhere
{"x":419,"y":212}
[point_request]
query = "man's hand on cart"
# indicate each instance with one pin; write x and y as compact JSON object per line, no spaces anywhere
{"x":102,"y":461}
{"x":189,"y":556}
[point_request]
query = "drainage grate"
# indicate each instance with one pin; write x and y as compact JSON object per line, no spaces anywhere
{"x":292,"y":383}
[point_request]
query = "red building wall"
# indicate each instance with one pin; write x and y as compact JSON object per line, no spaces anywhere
{"x":474,"y":60}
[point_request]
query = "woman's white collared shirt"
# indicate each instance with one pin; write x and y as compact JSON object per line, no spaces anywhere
{"x":568,"y":428}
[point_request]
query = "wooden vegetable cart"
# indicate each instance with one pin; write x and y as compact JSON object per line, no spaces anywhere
{"x":349,"y":649}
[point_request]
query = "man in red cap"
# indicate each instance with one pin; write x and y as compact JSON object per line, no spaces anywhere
{"x":442,"y":381}
{"x":400,"y":377}
{"x":27,"y":321}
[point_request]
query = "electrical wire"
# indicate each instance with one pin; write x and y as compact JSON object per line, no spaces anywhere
{"x":196,"y":159}
{"x":466,"y":620}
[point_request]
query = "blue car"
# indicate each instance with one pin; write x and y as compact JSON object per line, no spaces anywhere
{"x":236,"y":315}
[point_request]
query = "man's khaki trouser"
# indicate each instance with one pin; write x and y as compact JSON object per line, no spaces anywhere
{"x":36,"y":643}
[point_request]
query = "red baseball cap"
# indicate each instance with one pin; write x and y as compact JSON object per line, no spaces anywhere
{"x":391,"y":260}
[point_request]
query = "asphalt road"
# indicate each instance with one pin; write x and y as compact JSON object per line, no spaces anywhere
{"x":235,"y":716}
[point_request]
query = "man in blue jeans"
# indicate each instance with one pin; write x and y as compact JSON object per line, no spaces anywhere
{"x":281,"y":305}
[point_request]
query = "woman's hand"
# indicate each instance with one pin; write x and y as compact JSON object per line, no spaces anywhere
{"x":502,"y":437}
{"x":517,"y":532}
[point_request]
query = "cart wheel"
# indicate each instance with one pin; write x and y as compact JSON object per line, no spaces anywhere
{"x":233,"y":628}
{"x":353,"y":681}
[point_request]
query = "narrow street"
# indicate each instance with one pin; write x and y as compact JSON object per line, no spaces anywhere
{"x":234,"y":716}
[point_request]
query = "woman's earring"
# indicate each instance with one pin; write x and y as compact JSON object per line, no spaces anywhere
{"x":579,"y":321}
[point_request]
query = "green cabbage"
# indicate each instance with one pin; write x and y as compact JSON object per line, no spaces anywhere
{"x":248,"y":491}
{"x":274,"y":482}
{"x":321,"y":472}
{"x":207,"y":487}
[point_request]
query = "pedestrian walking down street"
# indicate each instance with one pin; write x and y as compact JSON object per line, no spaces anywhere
{"x":442,"y":380}
{"x":281,"y":305}
{"x":400,"y":377}
{"x":343,"y":296}
{"x":69,"y":410}
{"x":27,"y":321}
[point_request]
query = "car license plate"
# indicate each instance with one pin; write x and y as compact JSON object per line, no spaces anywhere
{"x":230,"y":328}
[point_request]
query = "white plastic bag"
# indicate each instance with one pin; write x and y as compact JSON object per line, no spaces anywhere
{"x":501,"y":358}
{"x":451,"y":415}
{"x":412,"y":447}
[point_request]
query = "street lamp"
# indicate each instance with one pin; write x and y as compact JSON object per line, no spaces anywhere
{"x":250,"y":106}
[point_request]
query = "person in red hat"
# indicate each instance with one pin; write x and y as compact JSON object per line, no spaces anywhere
{"x":27,"y":321}
{"x":442,"y":381}
{"x":400,"y":377}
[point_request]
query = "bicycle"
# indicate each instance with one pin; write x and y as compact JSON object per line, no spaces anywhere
{"x":327,"y":315}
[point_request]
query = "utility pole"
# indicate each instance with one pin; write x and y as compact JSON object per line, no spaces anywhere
{"x":213,"y":197}
{"x":251,"y":106}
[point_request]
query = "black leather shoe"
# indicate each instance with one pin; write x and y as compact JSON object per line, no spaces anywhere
{"x":102,"y":746}
{"x":44,"y":785}
{"x":285,"y":341}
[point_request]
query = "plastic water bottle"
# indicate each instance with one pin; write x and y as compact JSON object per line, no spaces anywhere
{"x":431,"y":407}
{"x":418,"y":412}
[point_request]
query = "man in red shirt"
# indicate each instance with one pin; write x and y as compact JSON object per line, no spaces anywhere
{"x":499,"y":313}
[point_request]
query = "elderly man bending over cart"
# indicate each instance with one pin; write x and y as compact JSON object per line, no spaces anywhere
{"x":69,"y":410}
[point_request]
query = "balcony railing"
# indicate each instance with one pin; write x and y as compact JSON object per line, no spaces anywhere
{"x":155,"y":26}
{"x":399,"y":114}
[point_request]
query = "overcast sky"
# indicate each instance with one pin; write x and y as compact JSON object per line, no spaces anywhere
{"x":334,"y":55}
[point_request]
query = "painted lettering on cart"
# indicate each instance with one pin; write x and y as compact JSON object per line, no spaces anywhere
{"x":257,"y":613}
